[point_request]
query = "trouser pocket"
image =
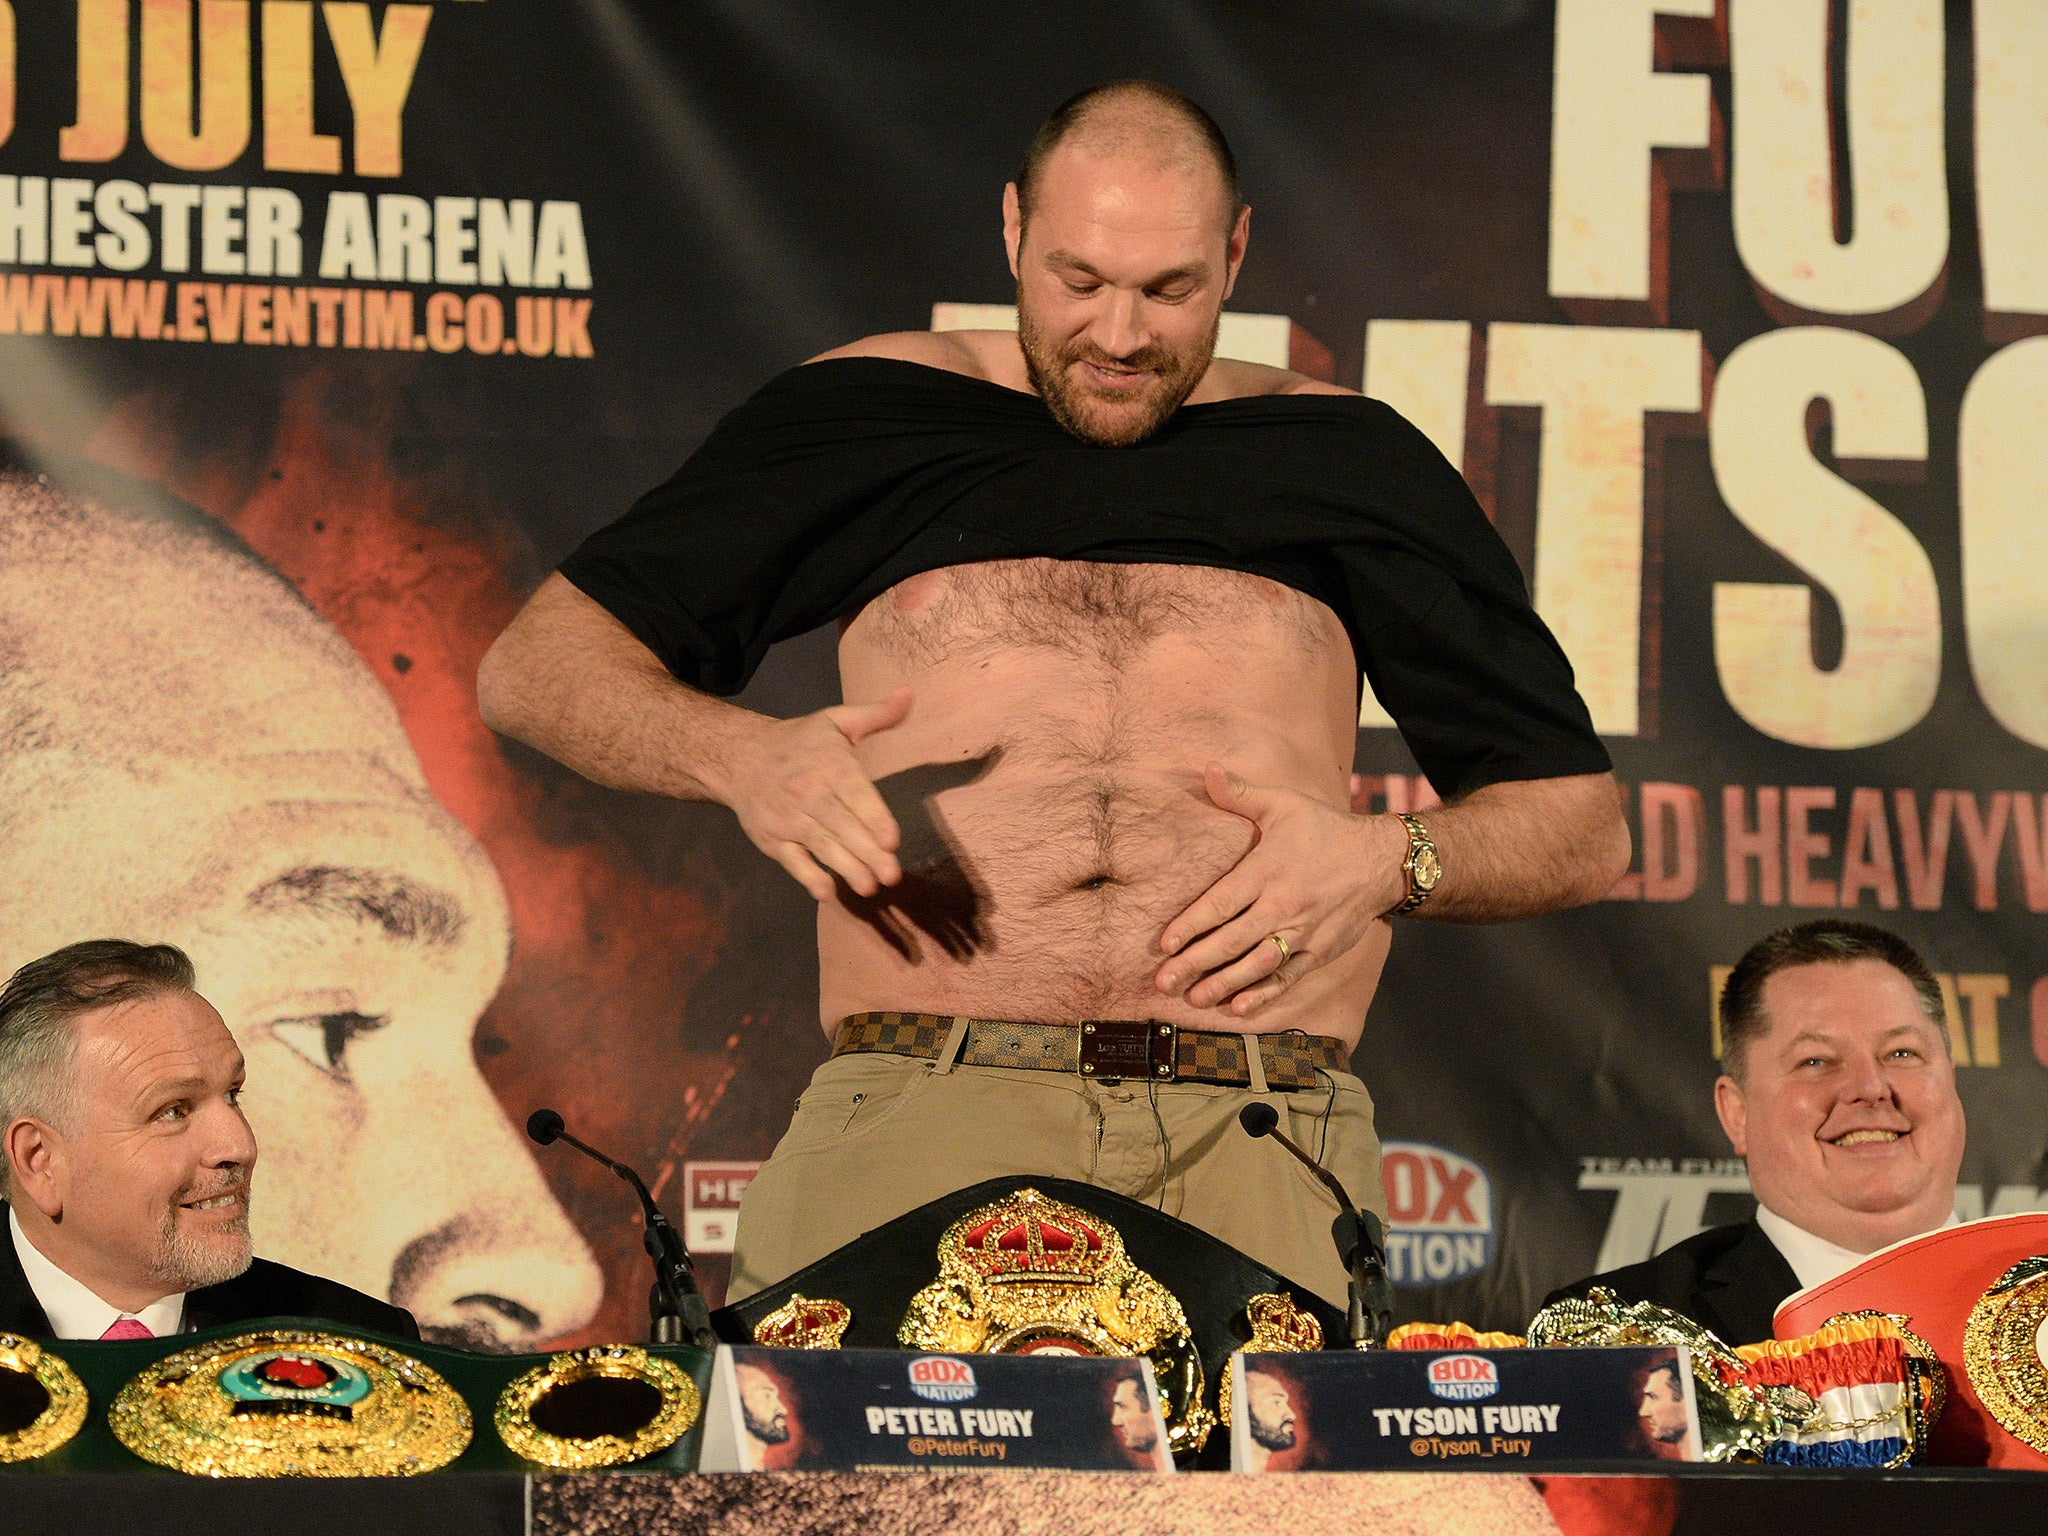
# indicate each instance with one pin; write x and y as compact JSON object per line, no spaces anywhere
{"x":850,"y":1096}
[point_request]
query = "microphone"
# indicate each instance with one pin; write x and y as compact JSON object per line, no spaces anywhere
{"x":1360,"y":1244}
{"x":676,"y":1308}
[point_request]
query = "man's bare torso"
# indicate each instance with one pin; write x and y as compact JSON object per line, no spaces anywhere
{"x":1082,"y":702}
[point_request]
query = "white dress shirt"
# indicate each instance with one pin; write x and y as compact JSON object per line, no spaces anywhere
{"x":75,"y":1311}
{"x":1814,"y":1260}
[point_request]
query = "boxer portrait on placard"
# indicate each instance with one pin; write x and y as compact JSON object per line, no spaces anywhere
{"x":768,"y":1416}
{"x":1131,"y":1420}
{"x":1273,"y":1420}
{"x":1660,"y":1412}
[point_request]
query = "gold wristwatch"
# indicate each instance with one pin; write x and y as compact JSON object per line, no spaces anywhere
{"x":1422,"y":866}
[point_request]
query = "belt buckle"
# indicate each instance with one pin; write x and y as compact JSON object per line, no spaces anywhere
{"x":1126,"y":1048}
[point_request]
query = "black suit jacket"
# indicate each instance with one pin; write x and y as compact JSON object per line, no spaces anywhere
{"x":264,"y":1289}
{"x":1729,"y":1279}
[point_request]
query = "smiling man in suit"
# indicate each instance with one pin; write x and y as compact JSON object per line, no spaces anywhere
{"x":1840,"y":1092}
{"x":127,"y":1159}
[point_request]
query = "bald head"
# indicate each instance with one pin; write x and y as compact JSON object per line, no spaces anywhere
{"x":189,"y":750}
{"x":134,"y":626}
{"x":1140,"y":120}
{"x":165,"y":698}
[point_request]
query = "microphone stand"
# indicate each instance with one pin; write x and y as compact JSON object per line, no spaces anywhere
{"x":1359,"y":1240}
{"x":677,"y":1312}
{"x":676,"y":1308}
{"x":1361,"y":1244}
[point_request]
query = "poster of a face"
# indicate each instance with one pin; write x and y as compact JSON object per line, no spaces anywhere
{"x":1133,"y":1422}
{"x":768,"y":1415}
{"x":1275,"y":1420}
{"x":1665,"y":1423}
{"x":193,"y":755}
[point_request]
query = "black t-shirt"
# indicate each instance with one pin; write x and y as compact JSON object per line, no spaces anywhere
{"x":840,"y":479}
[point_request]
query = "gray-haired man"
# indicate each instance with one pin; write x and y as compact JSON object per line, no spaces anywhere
{"x":127,"y":1160}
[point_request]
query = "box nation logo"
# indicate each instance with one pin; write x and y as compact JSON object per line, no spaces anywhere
{"x":942,"y":1379}
{"x":1440,"y":1223}
{"x":1463,"y":1378}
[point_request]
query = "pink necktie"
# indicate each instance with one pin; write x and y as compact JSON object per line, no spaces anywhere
{"x":125,"y":1328}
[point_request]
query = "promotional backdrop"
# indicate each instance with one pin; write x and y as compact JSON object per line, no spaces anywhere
{"x":1728,"y":314}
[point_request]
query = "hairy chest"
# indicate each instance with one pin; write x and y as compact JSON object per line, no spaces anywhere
{"x":1089,"y":611}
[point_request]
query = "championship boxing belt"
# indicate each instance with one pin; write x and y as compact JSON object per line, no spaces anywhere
{"x":294,"y":1397}
{"x":1453,"y":1336}
{"x":289,"y":1402}
{"x":606,"y":1406}
{"x":1958,"y":1290}
{"x":1028,"y":1274}
{"x":1861,"y":1391}
{"x":1022,"y":1264}
{"x":42,"y":1401}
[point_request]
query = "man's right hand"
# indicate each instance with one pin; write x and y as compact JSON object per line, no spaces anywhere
{"x":569,"y":678}
{"x":802,"y":796}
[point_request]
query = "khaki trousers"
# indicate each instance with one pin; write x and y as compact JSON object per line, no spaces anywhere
{"x":877,"y":1135}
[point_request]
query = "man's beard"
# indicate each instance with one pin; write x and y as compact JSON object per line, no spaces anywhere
{"x":193,"y":1263}
{"x":774,"y":1432}
{"x":1274,"y":1437}
{"x":1111,"y":421}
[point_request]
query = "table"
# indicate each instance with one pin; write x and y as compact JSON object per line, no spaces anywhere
{"x":1703,"y":1501}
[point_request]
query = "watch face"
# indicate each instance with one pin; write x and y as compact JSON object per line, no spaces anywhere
{"x":1427,"y":869}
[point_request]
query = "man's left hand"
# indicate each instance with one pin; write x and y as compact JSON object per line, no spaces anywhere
{"x":1317,"y":877}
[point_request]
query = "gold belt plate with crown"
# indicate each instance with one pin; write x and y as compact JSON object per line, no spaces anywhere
{"x":1033,"y":1275}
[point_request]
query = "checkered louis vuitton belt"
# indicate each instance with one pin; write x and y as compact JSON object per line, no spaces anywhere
{"x":1100,"y":1048}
